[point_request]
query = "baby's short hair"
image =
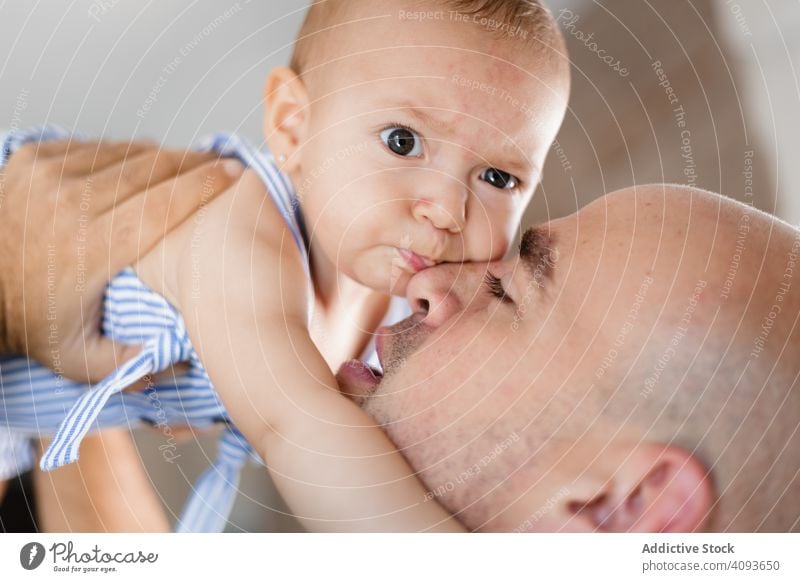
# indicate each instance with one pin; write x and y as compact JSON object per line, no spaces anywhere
{"x":522,"y":20}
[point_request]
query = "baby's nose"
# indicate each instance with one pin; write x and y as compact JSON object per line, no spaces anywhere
{"x":445,"y":209}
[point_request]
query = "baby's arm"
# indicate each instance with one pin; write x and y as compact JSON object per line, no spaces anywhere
{"x":244,"y":300}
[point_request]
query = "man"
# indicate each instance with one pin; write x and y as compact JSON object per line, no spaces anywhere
{"x":635,"y":369}
{"x":73,"y":214}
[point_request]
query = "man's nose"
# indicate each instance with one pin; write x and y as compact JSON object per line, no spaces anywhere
{"x":445,"y":207}
{"x":445,"y":291}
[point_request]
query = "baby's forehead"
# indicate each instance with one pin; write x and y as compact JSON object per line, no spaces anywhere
{"x":454,"y":86}
{"x":339,"y":30}
{"x":459,"y":69}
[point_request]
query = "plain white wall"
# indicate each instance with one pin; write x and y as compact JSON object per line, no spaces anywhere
{"x":768,"y":59}
{"x":124,"y":68}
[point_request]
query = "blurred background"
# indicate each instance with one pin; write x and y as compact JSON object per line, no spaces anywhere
{"x":701,"y":92}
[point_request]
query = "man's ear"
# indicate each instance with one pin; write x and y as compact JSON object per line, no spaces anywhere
{"x":285,"y":115}
{"x":658,"y":488}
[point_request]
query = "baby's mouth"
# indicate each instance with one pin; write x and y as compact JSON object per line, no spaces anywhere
{"x":414,"y":261}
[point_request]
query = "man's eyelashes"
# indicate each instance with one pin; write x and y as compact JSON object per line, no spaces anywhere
{"x":494,"y":287}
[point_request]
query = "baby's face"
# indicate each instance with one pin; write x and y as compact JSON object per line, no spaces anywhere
{"x":425,"y":143}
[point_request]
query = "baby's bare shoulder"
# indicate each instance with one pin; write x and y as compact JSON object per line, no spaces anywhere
{"x":239,"y":236}
{"x":243,"y":214}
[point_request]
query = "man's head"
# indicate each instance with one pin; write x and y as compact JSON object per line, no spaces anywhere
{"x":640,"y":374}
{"x":415,"y":131}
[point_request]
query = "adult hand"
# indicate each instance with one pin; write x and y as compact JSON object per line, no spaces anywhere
{"x":73,"y":215}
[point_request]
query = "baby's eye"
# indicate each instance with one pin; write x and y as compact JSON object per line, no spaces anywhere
{"x":403,"y":141}
{"x":499,"y":179}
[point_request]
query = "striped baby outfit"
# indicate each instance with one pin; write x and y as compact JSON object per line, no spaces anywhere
{"x":34,"y":402}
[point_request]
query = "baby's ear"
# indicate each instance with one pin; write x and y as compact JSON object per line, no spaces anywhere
{"x":285,"y":115}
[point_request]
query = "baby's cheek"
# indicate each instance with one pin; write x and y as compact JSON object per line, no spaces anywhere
{"x":489,"y":242}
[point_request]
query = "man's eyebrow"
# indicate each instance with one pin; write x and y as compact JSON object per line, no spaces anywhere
{"x":538,"y":254}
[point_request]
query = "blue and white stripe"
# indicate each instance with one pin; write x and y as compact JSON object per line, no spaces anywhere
{"x":35,"y":402}
{"x":12,"y":141}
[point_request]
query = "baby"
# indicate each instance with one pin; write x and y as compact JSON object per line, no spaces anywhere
{"x":406,"y":133}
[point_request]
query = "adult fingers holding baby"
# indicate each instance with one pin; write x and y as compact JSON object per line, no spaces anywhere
{"x":73,"y":215}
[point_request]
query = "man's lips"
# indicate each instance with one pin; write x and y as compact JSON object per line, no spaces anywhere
{"x":414,"y":261}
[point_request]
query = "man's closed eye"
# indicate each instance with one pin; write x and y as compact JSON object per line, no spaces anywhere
{"x":494,"y":287}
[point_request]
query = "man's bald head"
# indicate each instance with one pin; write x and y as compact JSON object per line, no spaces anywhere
{"x":731,"y":393}
{"x":698,"y":344}
{"x":652,"y":383}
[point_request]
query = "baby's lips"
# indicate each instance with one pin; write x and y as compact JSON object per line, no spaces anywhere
{"x":416,"y":262}
{"x":357,"y":380}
